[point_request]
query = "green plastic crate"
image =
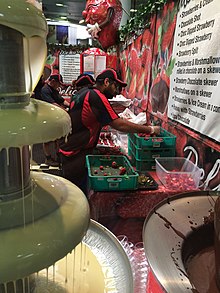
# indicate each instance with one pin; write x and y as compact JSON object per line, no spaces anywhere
{"x":109,"y":179}
{"x":150,"y":153}
{"x":165,"y":140}
{"x":142,"y":165}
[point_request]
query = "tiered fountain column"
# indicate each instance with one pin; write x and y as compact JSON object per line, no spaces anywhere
{"x":42,"y":217}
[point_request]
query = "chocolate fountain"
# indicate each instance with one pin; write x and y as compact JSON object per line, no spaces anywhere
{"x":42,"y":217}
{"x":182,"y":240}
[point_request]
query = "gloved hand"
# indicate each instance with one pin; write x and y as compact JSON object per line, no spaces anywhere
{"x":155,"y":130}
{"x":93,"y":30}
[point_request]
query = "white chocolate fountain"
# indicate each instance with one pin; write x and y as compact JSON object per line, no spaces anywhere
{"x":42,"y":217}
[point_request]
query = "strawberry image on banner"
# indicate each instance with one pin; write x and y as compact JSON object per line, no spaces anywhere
{"x":163,"y":63}
{"x":136,"y":71}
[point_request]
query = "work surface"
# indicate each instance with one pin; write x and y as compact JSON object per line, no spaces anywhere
{"x":128,"y":204}
{"x":124,"y":212}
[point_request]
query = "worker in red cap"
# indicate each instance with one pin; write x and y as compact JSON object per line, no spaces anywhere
{"x":90,"y":110}
{"x":50,"y":94}
{"x":84,"y":80}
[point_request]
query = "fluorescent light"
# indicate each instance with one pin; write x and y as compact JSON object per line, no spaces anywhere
{"x":59,"y":4}
{"x":133,"y":10}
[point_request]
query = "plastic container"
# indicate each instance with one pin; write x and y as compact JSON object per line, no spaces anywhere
{"x":165,"y":139}
{"x":104,"y":177}
{"x":150,"y":153}
{"x":123,"y":141}
{"x":141,"y":165}
{"x":178,"y":173}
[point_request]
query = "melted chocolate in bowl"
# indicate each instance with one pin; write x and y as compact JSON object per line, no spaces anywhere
{"x":201,"y":271}
{"x":180,"y":240}
{"x":200,"y":254}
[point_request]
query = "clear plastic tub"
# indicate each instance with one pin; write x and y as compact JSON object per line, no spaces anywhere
{"x":178,"y":173}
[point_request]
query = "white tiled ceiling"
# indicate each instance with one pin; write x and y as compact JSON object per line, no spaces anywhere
{"x":71,"y":9}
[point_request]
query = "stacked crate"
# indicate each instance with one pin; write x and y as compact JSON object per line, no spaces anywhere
{"x":104,"y":177}
{"x":144,"y":150}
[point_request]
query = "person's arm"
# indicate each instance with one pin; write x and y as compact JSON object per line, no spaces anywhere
{"x":60,"y":100}
{"x":130,"y":127}
{"x":66,"y":103}
{"x":63,"y":106}
{"x":57,"y":98}
{"x":46,"y":95}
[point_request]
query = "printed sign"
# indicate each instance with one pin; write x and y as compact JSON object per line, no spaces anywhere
{"x":69,"y":65}
{"x":195,"y":82}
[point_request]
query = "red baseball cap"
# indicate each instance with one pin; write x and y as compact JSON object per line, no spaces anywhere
{"x":57,"y":77}
{"x":111,"y":74}
{"x":84,"y":79}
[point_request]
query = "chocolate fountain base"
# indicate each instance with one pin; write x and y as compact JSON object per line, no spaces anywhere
{"x":99,"y":264}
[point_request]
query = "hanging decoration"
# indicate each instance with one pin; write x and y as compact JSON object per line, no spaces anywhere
{"x":103,"y":19}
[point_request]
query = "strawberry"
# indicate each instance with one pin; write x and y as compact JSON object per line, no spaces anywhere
{"x":134,"y":61}
{"x":140,"y":84}
{"x":138,"y":43}
{"x":144,"y":104}
{"x":146,"y":53}
{"x":123,"y":67}
{"x":132,"y":88}
{"x":122,"y":170}
{"x":114,"y":165}
{"x":168,"y":34}
{"x":101,"y":167}
{"x":147,"y":37}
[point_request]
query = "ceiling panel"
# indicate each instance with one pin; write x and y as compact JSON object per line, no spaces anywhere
{"x":71,"y":9}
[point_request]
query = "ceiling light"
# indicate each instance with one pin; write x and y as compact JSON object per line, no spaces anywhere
{"x":63,"y":17}
{"x":133,"y":10}
{"x":59,"y":4}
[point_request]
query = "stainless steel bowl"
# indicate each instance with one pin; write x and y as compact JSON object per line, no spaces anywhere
{"x":165,"y":232}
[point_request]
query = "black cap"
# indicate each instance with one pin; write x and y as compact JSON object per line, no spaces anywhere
{"x":57,"y":77}
{"x":111,"y":74}
{"x":84,"y":79}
